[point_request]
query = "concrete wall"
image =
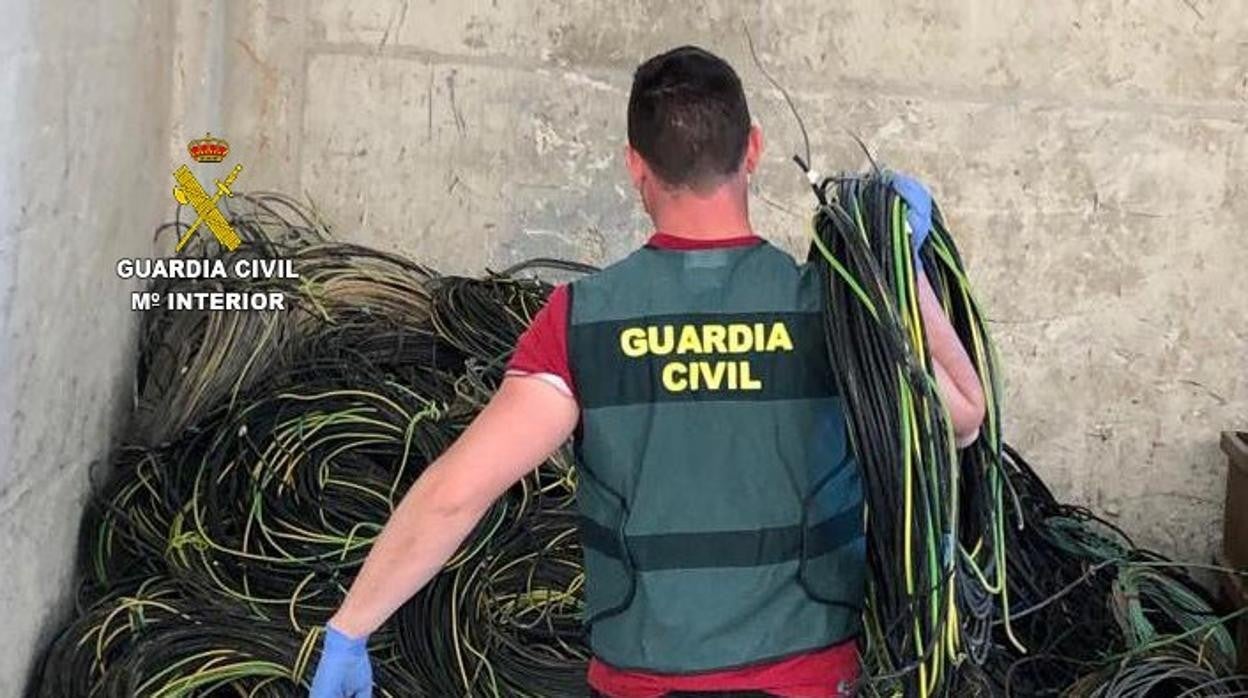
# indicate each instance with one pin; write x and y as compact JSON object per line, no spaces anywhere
{"x":84,"y":177}
{"x":1091,"y":155}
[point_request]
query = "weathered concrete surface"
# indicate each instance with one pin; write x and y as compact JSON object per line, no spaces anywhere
{"x":1091,"y":156}
{"x":83,"y":178}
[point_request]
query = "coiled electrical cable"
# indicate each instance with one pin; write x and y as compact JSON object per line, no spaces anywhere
{"x":266,"y":450}
{"x":981,"y":581}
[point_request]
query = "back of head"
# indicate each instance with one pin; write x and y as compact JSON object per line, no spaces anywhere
{"x":688,"y":118}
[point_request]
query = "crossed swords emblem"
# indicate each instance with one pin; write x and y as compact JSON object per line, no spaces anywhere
{"x":189,"y":191}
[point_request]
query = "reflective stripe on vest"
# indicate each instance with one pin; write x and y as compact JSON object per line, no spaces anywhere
{"x":721,"y":510}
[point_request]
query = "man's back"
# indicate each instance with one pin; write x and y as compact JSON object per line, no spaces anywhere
{"x":721,"y":512}
{"x":722,"y":520}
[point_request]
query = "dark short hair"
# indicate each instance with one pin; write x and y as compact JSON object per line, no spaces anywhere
{"x":688,"y":118}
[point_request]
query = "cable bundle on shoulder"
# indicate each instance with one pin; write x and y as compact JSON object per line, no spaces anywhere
{"x":934,"y":513}
{"x":981,"y":582}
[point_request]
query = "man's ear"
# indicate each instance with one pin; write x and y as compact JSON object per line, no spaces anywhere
{"x":637,"y":168}
{"x":753,"y":148}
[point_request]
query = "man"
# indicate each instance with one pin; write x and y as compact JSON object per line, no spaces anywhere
{"x":721,"y":510}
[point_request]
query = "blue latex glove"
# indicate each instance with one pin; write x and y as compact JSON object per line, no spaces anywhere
{"x":919,"y":210}
{"x":344,"y":670}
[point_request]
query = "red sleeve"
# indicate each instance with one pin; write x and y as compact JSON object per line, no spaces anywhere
{"x":543,"y":348}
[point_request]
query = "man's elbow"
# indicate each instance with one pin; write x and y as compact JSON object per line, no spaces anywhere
{"x":450,"y":498}
{"x":968,"y":418}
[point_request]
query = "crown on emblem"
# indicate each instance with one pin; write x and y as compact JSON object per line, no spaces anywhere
{"x":208,"y":149}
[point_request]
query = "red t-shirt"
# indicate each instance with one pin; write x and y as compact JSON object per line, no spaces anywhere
{"x":542,"y":352}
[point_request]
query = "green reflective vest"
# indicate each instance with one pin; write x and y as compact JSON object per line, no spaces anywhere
{"x":721,"y":511}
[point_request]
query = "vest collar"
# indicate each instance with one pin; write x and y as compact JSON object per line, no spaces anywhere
{"x":667,"y":241}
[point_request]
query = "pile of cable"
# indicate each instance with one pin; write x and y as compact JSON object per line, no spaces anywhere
{"x":264,"y":454}
{"x":266,"y":449}
{"x":981,"y":582}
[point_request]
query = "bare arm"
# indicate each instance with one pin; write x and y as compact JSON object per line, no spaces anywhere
{"x":955,"y":375}
{"x":526,"y":421}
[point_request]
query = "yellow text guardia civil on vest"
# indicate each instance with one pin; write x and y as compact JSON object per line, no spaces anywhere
{"x":709,"y":339}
